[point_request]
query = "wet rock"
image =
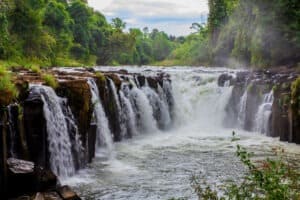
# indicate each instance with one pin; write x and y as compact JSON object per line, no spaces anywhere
{"x":3,"y":154}
{"x":17,"y":166}
{"x":92,"y":138}
{"x":225,"y":78}
{"x":24,"y":177}
{"x":152,"y":81}
{"x":78,"y":95}
{"x":116,"y":79}
{"x":52,"y":196}
{"x":283,"y":122}
{"x":35,"y":129}
{"x":39,"y":196}
{"x":141,"y":80}
{"x":67,"y":193}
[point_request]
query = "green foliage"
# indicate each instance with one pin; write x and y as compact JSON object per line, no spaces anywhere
{"x":267,"y":179}
{"x":100,"y":76}
{"x":8,"y":90}
{"x":35,"y":69}
{"x":60,"y":33}
{"x":50,"y":80}
{"x":193,"y":50}
{"x":254,"y":33}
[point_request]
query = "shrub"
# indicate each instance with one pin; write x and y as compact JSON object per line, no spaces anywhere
{"x":8,"y":90}
{"x":50,"y":80}
{"x":100,"y":76}
{"x":35,"y":69}
{"x":267,"y":179}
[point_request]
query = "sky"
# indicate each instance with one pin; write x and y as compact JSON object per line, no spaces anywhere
{"x":172,"y":16}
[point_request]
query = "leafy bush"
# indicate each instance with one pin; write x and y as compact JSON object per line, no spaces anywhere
{"x":267,"y":179}
{"x":8,"y":90}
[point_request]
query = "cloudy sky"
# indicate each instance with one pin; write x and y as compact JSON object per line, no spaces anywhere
{"x":172,"y":16}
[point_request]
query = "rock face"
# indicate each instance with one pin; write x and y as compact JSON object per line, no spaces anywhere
{"x":283,"y":120}
{"x":24,"y":142}
{"x":25,"y":177}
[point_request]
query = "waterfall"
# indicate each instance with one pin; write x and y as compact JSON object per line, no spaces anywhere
{"x":143,"y":109}
{"x":119,"y":108}
{"x":77,"y":148}
{"x":12,"y":132}
{"x":200,"y":102}
{"x":168,"y":93}
{"x":263,"y":115}
{"x":128,"y":114}
{"x":61,"y":159}
{"x":104,"y":136}
{"x":242,"y":109}
{"x":160,"y":108}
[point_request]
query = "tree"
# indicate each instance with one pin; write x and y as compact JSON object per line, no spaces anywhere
{"x":118,"y":24}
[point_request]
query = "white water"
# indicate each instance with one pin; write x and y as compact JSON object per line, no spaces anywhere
{"x":263,"y":115}
{"x":144,"y":110}
{"x":61,"y":159}
{"x":159,"y":165}
{"x":242,"y":109}
{"x":104,"y":136}
{"x":159,"y":107}
{"x":128,"y":113}
{"x":119,"y":109}
{"x":75,"y":138}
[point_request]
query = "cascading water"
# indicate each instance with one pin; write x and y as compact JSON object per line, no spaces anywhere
{"x":199,"y":100}
{"x":77,"y":148}
{"x":160,"y":109}
{"x":144,"y":112}
{"x":128,"y":114}
{"x":196,"y":144}
{"x":242,"y":109}
{"x":263,"y":115}
{"x":104,"y":136}
{"x":61,"y":159}
{"x":122,"y":120}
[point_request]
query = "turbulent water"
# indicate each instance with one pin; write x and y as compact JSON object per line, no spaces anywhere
{"x":104,"y":136}
{"x":61,"y":158}
{"x":158,"y":164}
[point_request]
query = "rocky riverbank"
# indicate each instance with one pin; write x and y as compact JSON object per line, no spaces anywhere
{"x":48,"y":133}
{"x":25,"y":155}
{"x":250,"y":94}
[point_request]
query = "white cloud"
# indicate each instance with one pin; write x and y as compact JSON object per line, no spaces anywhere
{"x":167,"y":15}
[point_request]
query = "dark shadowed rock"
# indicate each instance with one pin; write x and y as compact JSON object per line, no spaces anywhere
{"x":35,"y":129}
{"x":224,"y":78}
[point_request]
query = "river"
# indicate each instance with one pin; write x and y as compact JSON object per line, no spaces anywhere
{"x":159,"y":164}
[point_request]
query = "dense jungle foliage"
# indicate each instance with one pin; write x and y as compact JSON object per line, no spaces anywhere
{"x":254,"y":33}
{"x":70,"y":33}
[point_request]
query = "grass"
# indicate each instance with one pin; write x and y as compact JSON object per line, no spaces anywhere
{"x":50,"y":80}
{"x":8,"y":91}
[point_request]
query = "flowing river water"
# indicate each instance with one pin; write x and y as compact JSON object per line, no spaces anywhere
{"x":158,"y":164}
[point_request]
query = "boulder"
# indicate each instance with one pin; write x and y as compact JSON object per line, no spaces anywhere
{"x":24,"y":178}
{"x":67,"y":193}
{"x":224,"y":78}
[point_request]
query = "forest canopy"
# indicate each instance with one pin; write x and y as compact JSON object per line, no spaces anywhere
{"x":71,"y":33}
